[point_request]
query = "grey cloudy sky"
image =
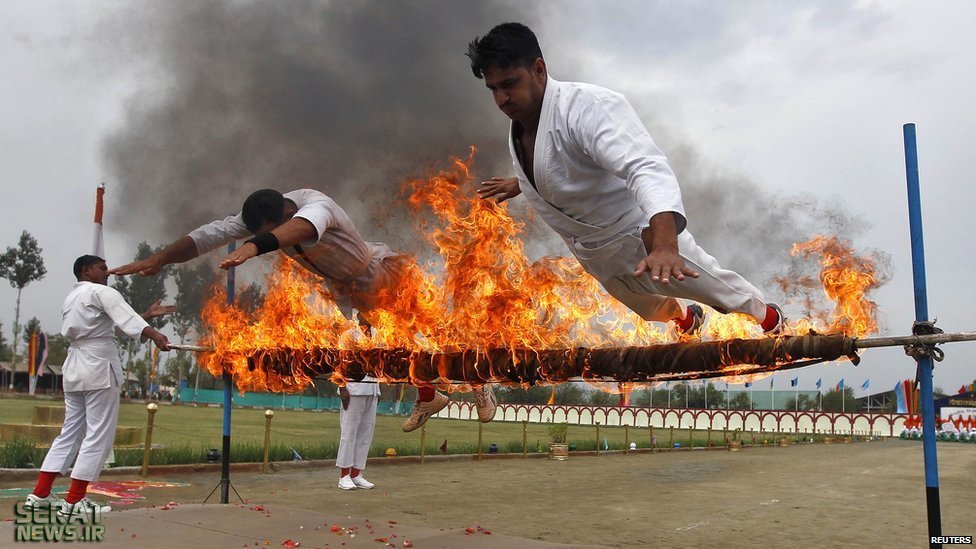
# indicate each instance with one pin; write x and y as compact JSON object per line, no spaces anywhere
{"x":782,"y":120}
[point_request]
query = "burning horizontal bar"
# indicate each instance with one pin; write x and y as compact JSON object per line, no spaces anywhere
{"x":674,"y":361}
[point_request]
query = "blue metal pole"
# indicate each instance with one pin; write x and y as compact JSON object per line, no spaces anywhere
{"x":225,"y":461}
{"x":922,"y":315}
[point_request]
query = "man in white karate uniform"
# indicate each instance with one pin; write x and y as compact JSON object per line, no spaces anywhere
{"x":589,"y":168}
{"x":357,"y":421}
{"x":93,"y":315}
{"x":315,"y":231}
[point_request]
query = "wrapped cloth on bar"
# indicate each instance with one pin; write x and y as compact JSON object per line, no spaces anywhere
{"x":673,"y":361}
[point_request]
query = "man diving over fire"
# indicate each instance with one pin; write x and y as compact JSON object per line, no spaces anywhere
{"x":313,"y":230}
{"x":589,"y":168}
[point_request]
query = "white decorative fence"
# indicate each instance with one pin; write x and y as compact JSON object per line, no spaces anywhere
{"x":781,"y":421}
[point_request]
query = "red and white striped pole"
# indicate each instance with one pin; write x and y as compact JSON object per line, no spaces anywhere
{"x":98,"y":245}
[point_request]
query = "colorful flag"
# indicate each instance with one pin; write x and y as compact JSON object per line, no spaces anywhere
{"x":624,"y":399}
{"x":901,"y":397}
{"x":41,"y":357}
{"x":866,"y":384}
{"x":36,"y":357}
{"x":819,"y":382}
{"x":794,"y":382}
{"x":98,"y":245}
{"x":840,"y":385}
{"x":748,"y":384}
{"x":31,"y":353}
{"x":962,"y":389}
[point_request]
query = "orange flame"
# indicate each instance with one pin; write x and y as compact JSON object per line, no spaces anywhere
{"x":486,"y":294}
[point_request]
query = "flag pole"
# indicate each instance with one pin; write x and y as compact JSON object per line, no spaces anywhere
{"x":98,"y":242}
{"x":225,"y":463}
{"x":922,"y":315}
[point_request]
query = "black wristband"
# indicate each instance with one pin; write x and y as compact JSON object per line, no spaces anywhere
{"x":265,"y":242}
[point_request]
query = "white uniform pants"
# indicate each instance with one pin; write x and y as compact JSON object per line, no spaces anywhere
{"x":721,"y":289}
{"x":356,"y":427}
{"x":88,"y":432}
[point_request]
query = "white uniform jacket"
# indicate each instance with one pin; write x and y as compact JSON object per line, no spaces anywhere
{"x":599,"y":177}
{"x":92,"y":315}
{"x":352,"y":267}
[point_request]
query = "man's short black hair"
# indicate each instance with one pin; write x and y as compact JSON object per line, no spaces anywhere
{"x":264,"y":206}
{"x":85,"y":261}
{"x":505,"y":46}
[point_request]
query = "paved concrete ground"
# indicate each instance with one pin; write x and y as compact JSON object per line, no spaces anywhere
{"x":839,"y":495}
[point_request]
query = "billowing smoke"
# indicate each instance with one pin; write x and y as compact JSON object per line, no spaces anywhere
{"x":351,"y":98}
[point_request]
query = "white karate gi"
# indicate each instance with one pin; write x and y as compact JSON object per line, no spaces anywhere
{"x":356,"y":425}
{"x":93,"y":314}
{"x":599,"y":178}
{"x":353,"y":270}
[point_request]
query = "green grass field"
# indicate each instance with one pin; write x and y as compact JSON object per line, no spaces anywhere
{"x":183,"y":433}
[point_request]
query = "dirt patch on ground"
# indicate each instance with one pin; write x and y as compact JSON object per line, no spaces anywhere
{"x":840,"y":495}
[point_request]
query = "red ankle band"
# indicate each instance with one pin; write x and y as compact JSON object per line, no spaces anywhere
{"x":45,"y":481}
{"x":426,"y":394}
{"x":772,"y":318}
{"x":77,"y":491}
{"x":685,"y":323}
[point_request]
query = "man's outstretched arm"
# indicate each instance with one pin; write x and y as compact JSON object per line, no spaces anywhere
{"x":294,"y":231}
{"x":180,"y":251}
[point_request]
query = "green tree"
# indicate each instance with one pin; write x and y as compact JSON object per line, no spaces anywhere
{"x":805,"y":403}
{"x":192,"y":284}
{"x":570,"y":393}
{"x":21,"y":266}
{"x":141,"y":292}
{"x":4,"y":348}
{"x":250,"y":298}
{"x":33,"y":325}
{"x":601,"y":398}
{"x":57,"y":348}
{"x":536,"y":394}
{"x":836,"y":401}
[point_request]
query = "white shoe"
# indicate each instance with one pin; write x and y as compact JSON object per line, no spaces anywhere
{"x":423,"y":410}
{"x":362,"y":483}
{"x":84,"y":507}
{"x":36,"y":502}
{"x":484,"y":401}
{"x":346,"y":483}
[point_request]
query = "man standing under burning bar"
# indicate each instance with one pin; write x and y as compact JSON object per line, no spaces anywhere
{"x":94,"y":314}
{"x":589,"y":168}
{"x":312,"y":229}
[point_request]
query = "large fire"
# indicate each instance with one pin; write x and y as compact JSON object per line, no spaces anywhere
{"x":486,"y":294}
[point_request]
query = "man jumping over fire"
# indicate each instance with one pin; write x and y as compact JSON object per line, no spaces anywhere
{"x":313,"y":230}
{"x":589,"y":168}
